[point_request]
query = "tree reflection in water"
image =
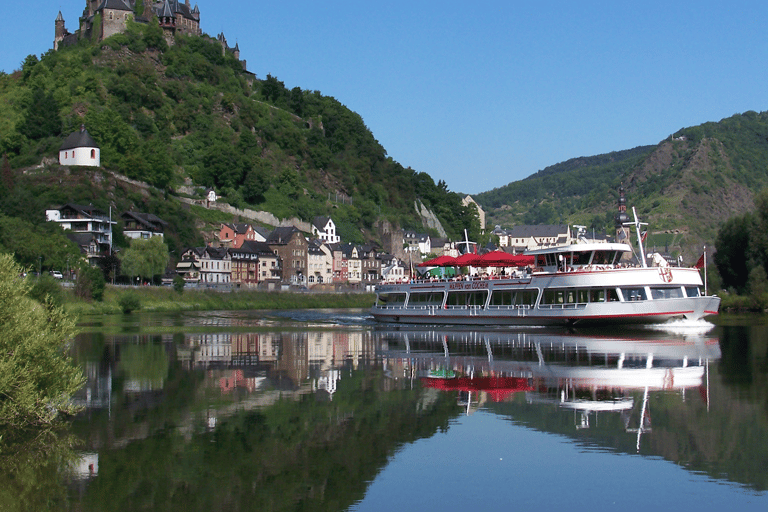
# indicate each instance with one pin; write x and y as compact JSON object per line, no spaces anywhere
{"x":254,"y":417}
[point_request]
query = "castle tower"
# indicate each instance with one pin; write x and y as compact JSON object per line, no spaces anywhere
{"x":91,"y":6}
{"x":622,"y":231}
{"x":167,"y":18}
{"x":59,"y":31}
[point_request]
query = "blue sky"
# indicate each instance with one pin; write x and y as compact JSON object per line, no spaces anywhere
{"x":483,"y":93}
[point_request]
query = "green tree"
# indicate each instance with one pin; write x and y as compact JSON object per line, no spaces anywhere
{"x":145,"y":258}
{"x":6,"y":175}
{"x":153,"y":34}
{"x":36,"y":378}
{"x":28,"y":65}
{"x":90,"y":283}
{"x":29,"y":243}
{"x":256,"y":184}
{"x":41,"y":117}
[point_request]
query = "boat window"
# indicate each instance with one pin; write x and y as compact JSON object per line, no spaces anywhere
{"x":526,"y":298}
{"x":613,"y":295}
{"x":426,"y":299}
{"x":390,"y":299}
{"x":502,"y":298}
{"x":692,"y":291}
{"x":573,"y":296}
{"x":559,"y":297}
{"x":600,"y":258}
{"x":472,"y":298}
{"x":578,"y":258}
{"x":546,"y":260}
{"x":631,"y":294}
{"x":666,"y":293}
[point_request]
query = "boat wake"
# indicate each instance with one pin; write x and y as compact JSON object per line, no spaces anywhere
{"x":692,"y":327}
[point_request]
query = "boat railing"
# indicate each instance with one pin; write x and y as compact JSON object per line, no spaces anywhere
{"x":389,"y":306}
{"x":511,"y":307}
{"x":570,"y":305}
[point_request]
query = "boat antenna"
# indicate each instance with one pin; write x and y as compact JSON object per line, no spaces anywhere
{"x":637,"y":225}
{"x":581,"y":232}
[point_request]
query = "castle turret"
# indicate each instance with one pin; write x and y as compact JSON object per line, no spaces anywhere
{"x":59,"y":31}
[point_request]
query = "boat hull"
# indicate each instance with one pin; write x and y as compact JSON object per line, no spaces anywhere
{"x":646,"y":311}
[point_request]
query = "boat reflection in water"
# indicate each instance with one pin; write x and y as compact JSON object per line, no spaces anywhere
{"x":589,"y":374}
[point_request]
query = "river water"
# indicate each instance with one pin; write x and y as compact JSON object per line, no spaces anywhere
{"x":324,"y":410}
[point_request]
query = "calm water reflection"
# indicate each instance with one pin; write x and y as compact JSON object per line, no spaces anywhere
{"x":323,"y":410}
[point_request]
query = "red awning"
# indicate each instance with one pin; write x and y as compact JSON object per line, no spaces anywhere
{"x":466,"y":260}
{"x":498,"y":387}
{"x":504,"y":259}
{"x":440,"y":261}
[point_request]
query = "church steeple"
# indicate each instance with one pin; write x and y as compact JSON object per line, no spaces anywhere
{"x":622,"y":231}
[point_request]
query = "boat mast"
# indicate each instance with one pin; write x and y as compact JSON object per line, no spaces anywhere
{"x":637,"y":225}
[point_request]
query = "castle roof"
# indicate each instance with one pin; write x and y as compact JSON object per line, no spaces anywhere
{"x":79,"y":139}
{"x":59,"y":17}
{"x":117,"y":5}
{"x":166,"y":11}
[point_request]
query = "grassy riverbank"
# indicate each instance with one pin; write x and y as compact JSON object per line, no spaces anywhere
{"x":155,"y":298}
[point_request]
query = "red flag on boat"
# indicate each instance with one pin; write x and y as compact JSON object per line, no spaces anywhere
{"x":700,"y":263}
{"x":644,"y":236}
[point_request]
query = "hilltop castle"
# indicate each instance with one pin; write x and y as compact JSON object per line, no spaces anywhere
{"x":105,"y":18}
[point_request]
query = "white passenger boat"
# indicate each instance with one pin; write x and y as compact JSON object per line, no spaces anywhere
{"x":584,"y":283}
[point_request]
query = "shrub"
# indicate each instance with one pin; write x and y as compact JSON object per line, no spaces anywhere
{"x":129,"y":302}
{"x":178,"y":284}
{"x":36,"y":378}
{"x":46,"y":287}
{"x":90,"y":283}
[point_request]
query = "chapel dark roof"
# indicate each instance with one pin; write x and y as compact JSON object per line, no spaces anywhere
{"x":79,"y":139}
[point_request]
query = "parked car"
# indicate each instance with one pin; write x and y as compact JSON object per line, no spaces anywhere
{"x":57,"y":274}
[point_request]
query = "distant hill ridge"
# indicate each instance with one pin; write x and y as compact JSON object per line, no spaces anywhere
{"x":687,"y":185}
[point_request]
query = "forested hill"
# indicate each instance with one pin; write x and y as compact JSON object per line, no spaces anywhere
{"x":685,"y":187}
{"x":190,"y":115}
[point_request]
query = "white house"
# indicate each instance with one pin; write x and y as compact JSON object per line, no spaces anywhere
{"x":80,"y":149}
{"x":418,"y":241}
{"x":142,"y":225}
{"x":210,"y":197}
{"x":319,"y":263}
{"x":213,"y":265}
{"x":85,"y":220}
{"x":325,"y":229}
{"x":480,"y":212}
{"x":392,"y":270}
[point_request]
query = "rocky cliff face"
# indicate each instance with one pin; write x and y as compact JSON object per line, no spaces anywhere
{"x":428,"y":219}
